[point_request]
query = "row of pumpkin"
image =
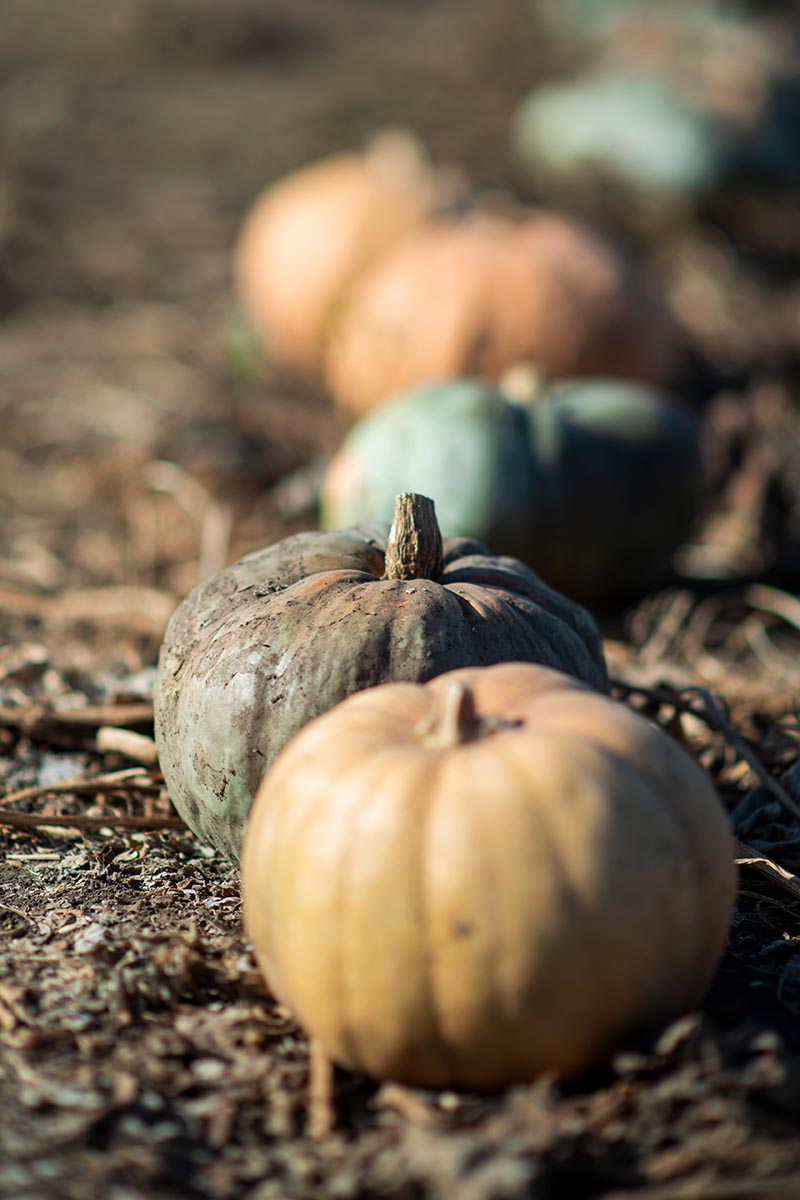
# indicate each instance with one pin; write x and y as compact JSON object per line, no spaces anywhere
{"x":465,"y":863}
{"x":443,"y":332}
{"x":377,"y":272}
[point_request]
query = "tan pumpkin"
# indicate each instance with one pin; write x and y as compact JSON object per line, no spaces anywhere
{"x":308,"y":236}
{"x":490,"y":875}
{"x":473,"y":296}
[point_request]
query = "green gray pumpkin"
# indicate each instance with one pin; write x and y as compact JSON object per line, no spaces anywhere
{"x":635,"y":128}
{"x":677,"y":99}
{"x":594,"y":484}
{"x":255,"y":653}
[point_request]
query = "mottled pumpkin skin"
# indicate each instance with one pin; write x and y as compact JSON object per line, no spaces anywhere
{"x":594,"y":485}
{"x":286,"y":633}
{"x":472,"y":914}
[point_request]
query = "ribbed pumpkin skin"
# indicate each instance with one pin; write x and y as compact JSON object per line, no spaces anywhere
{"x":594,"y":485}
{"x":265,"y":646}
{"x":625,"y":483}
{"x":473,"y":915}
{"x":477,"y":295}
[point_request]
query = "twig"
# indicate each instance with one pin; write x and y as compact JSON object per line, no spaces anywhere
{"x":35,"y":718}
{"x":136,"y":746}
{"x":320,"y":1092}
{"x":765,"y":650}
{"x":412,"y":1107}
{"x":717,"y":719}
{"x":712,"y":714}
{"x":668,"y":628}
{"x":19,"y":820}
{"x":138,"y":610}
{"x":132,"y":778}
{"x":17,"y":912}
{"x":773,"y":600}
{"x":746,"y":856}
{"x":703,"y":1188}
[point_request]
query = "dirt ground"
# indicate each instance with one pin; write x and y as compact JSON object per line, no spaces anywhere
{"x":146,"y":443}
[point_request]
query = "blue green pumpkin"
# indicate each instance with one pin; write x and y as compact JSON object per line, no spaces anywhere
{"x":635,"y":128}
{"x":594,"y":483}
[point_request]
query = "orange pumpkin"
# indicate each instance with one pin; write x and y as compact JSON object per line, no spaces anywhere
{"x":473,"y":296}
{"x":308,"y":236}
{"x":493,"y":874}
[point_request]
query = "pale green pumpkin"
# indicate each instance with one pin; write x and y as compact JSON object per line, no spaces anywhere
{"x":594,"y":483}
{"x":634,"y":127}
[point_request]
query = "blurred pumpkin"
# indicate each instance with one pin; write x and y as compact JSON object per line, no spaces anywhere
{"x":636,"y":128}
{"x":475,"y":295}
{"x":687,"y":98}
{"x":496,"y":874}
{"x":594,"y":483}
{"x":260,"y":649}
{"x":308,"y":236}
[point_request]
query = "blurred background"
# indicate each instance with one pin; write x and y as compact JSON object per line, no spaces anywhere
{"x":145,"y":427}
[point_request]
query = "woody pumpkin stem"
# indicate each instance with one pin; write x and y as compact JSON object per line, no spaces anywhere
{"x":453,"y":719}
{"x":414,"y":548}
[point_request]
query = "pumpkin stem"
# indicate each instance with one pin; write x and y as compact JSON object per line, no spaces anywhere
{"x":414,"y":548}
{"x":523,"y":384}
{"x":396,"y":156}
{"x":453,"y":720}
